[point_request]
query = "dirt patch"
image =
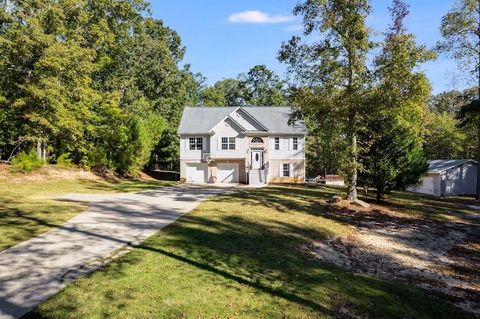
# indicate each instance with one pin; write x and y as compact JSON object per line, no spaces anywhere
{"x":52,"y":172}
{"x":443,"y":256}
{"x":45,"y":173}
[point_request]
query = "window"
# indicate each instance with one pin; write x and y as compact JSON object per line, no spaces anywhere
{"x":228,"y":143}
{"x":295,"y":143}
{"x":277,"y":143}
{"x":257,"y":140}
{"x":286,"y":170}
{"x":196,"y":143}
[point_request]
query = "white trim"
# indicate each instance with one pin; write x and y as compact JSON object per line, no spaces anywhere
{"x":274,"y":148}
{"x":293,"y":143}
{"x":228,"y":143}
{"x":253,"y":118}
{"x":223,"y":120}
{"x":188,"y":148}
{"x":236,"y":123}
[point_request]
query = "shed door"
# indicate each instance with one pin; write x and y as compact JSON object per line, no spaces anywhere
{"x":427,"y":185}
{"x":197,"y":173}
{"x":227,"y":173}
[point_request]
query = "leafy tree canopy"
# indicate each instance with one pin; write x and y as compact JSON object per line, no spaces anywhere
{"x":259,"y":87}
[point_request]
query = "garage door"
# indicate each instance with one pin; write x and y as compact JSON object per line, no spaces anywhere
{"x":227,"y":173}
{"x":197,"y":173}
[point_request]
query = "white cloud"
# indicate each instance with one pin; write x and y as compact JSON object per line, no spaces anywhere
{"x":258,"y":17}
{"x":295,"y":27}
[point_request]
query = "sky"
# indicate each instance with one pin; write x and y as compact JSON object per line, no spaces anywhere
{"x":226,"y":37}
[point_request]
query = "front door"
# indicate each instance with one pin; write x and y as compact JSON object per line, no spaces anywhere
{"x":257,"y":159}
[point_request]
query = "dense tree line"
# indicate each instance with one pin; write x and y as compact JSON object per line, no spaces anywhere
{"x":99,"y":83}
{"x":447,"y":138}
{"x":98,"y":80}
{"x":259,"y":86}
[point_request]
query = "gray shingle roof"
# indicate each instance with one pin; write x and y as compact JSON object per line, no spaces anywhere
{"x":199,"y":120}
{"x":438,"y":166}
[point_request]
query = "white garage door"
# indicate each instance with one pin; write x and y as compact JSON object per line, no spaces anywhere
{"x":227,"y":173}
{"x":197,"y":173}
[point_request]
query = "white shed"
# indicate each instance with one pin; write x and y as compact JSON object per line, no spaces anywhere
{"x":448,"y":178}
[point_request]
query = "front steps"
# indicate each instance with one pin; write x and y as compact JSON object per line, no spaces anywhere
{"x":257,"y":177}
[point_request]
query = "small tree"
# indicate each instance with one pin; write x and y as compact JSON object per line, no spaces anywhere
{"x":394,"y":136}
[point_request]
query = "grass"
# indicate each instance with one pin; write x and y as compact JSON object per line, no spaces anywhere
{"x":240,"y":256}
{"x":27,"y":208}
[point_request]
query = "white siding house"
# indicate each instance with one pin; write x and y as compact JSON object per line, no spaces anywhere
{"x":254,"y":145}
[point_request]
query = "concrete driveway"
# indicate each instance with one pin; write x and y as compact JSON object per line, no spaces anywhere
{"x":37,"y":269}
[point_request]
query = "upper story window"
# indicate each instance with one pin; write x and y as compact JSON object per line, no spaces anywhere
{"x":277,"y":143}
{"x":257,"y":140}
{"x":228,"y":143}
{"x":195,"y":143}
{"x":286,"y":170}
{"x":295,"y":143}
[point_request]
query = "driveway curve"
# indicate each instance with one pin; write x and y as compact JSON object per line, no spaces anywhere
{"x":36,"y":269}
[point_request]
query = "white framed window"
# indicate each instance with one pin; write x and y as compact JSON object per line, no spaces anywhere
{"x":295,"y":143}
{"x":256,"y":140}
{"x":277,"y":143}
{"x":195,"y":143}
{"x":228,"y":143}
{"x":286,"y":170}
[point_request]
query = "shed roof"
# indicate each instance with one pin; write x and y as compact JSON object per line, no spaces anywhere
{"x":200,"y":120}
{"x":438,"y":166}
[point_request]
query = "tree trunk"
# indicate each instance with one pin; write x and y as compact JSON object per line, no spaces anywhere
{"x":352,"y":123}
{"x":380,"y":192}
{"x":41,"y":151}
{"x":352,"y":185}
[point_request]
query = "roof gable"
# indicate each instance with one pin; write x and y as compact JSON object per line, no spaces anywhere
{"x":274,"y":120}
{"x":245,"y":120}
{"x":255,"y":125}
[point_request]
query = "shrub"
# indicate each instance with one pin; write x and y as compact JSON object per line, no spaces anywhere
{"x":26,"y":162}
{"x":64,"y":160}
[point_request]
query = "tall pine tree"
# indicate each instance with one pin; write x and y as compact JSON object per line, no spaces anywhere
{"x":393,"y":154}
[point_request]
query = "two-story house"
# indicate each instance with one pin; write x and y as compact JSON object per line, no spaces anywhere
{"x":254,"y":145}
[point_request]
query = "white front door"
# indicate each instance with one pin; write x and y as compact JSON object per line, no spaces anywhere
{"x":257,"y":159}
{"x":227,"y":173}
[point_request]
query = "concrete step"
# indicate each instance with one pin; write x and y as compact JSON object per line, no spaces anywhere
{"x":257,"y":177}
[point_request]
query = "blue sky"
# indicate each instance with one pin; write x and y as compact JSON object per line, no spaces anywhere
{"x":222,"y":39}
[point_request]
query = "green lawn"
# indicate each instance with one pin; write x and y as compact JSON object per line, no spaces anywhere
{"x":240,"y":256}
{"x":26,"y":208}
